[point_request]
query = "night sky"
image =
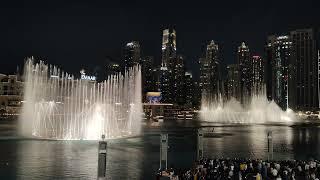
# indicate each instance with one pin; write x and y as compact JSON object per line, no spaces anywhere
{"x":88,"y":34}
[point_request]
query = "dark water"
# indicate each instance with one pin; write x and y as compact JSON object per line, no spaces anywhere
{"x":138,"y":158}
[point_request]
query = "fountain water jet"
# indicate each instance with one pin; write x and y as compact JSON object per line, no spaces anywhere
{"x":258,"y":111}
{"x":58,"y":106}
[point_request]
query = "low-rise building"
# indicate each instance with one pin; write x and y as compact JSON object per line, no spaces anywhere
{"x":11,"y":94}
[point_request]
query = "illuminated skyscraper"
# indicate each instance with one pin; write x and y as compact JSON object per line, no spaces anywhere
{"x":131,"y":54}
{"x":258,"y":75}
{"x":178,"y":81}
{"x":189,"y":92}
{"x":169,"y":65}
{"x":204,"y":73}
{"x":169,"y":48}
{"x":156,"y":81}
{"x":210,"y":73}
{"x":245,"y":69}
{"x":166,"y":85}
{"x":232,"y":89}
{"x":304,"y":70}
{"x":212,"y":56}
{"x":146,"y":72}
{"x":278,"y":56}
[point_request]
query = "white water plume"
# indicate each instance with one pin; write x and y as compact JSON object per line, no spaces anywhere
{"x":58,"y":106}
{"x":258,"y":111}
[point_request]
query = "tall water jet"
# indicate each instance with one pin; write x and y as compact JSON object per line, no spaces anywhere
{"x":58,"y":106}
{"x":258,"y":110}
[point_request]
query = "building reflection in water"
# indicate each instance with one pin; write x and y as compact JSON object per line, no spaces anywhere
{"x":306,"y":142}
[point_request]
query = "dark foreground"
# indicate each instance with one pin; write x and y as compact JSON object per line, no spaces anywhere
{"x":138,"y":158}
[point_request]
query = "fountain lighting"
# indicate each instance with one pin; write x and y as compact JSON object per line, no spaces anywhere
{"x":257,"y":111}
{"x":58,"y":106}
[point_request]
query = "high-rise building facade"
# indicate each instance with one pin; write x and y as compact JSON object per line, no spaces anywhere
{"x":257,"y":75}
{"x":204,"y":74}
{"x":146,"y":74}
{"x":277,"y":71}
{"x":11,"y":94}
{"x":172,"y":70}
{"x":178,"y":80}
{"x":166,"y":86}
{"x":304,"y":71}
{"x":212,"y":56}
{"x":210,"y":73}
{"x":245,"y":69}
{"x":233,"y":77}
{"x":169,"y":47}
{"x":155,"y":79}
{"x":188,"y":90}
{"x":131,"y":54}
{"x":167,"y":75}
{"x":196,"y":100}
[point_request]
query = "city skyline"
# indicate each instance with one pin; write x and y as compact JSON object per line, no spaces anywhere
{"x":140,"y":89}
{"x":39,"y":31}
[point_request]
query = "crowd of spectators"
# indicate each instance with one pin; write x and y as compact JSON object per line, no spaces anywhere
{"x":237,"y":169}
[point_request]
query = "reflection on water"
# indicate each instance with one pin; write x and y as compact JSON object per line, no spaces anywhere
{"x":305,"y":142}
{"x":249,"y":141}
{"x":138,"y":158}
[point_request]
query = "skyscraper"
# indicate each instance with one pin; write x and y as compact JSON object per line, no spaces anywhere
{"x":168,"y":47}
{"x":278,"y":55}
{"x":196,"y":100}
{"x":156,"y":81}
{"x":232,"y":90}
{"x":210,"y":73}
{"x":204,"y":74}
{"x":178,"y":80}
{"x":245,"y":69}
{"x":258,"y":75}
{"x":304,"y":76}
{"x":166,"y":84}
{"x":188,"y":90}
{"x":169,"y":65}
{"x":131,"y":54}
{"x":146,"y":72}
{"x":212,"y":56}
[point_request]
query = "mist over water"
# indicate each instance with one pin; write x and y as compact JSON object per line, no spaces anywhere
{"x":58,"y":106}
{"x":258,"y":110}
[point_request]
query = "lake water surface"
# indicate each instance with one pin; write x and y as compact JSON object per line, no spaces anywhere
{"x":138,"y":157}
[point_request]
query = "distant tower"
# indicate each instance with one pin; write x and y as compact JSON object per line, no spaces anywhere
{"x":210,"y":73}
{"x":155,"y":82}
{"x":168,"y":47}
{"x":165,"y":77}
{"x":146,"y":72}
{"x":245,"y":69}
{"x":178,"y":82}
{"x":212,"y":56}
{"x":189,"y":91}
{"x":258,"y":75}
{"x":233,"y":81}
{"x":277,"y":69}
{"x":131,"y":54}
{"x":167,"y":70}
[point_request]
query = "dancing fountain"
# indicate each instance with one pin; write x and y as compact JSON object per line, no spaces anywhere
{"x":258,"y":111}
{"x":58,"y":106}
